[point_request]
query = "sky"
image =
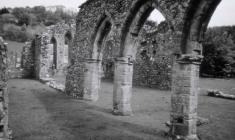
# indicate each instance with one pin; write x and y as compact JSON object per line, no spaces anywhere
{"x":224,"y":14}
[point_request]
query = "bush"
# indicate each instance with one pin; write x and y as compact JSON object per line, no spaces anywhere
{"x":219,"y":52}
{"x":15,"y":33}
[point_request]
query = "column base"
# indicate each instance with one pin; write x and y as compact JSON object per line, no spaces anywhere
{"x":90,"y":98}
{"x":120,"y":113}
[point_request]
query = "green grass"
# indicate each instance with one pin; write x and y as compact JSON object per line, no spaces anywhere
{"x":37,"y":112}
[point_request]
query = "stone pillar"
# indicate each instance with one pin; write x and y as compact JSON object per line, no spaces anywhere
{"x":122,"y":91}
{"x":42,"y":61}
{"x":92,"y":79}
{"x":184,"y":97}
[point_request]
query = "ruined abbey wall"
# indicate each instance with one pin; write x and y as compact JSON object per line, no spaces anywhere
{"x":43,"y":59}
{"x":153,"y":60}
{"x":119,"y":22}
{"x":3,"y":91}
{"x":41,"y":56}
{"x":112,"y":30}
{"x":28,"y":60}
{"x":89,"y":17}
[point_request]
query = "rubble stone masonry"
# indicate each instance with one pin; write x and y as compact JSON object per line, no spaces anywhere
{"x":4,"y":132}
{"x":118,"y":23}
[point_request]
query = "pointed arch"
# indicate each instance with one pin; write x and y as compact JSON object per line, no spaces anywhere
{"x":102,"y":29}
{"x":196,"y":20}
{"x":53,"y":41}
{"x":68,"y":37}
{"x":135,"y":19}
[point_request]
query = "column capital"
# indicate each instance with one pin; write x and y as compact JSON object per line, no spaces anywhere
{"x":190,"y":59}
{"x":124,"y":60}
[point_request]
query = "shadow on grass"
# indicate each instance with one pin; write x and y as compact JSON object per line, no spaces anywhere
{"x":90,"y":122}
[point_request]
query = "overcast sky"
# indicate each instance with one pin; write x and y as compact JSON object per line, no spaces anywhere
{"x":224,"y":14}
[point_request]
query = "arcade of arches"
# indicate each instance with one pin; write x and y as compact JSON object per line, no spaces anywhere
{"x":118,"y":23}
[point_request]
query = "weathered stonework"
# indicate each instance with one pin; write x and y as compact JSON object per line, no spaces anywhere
{"x":185,"y":97}
{"x":28,"y":60}
{"x":51,"y":50}
{"x":122,"y":91}
{"x":42,"y":56}
{"x":4,"y":130}
{"x":102,"y":24}
{"x":92,"y":80}
{"x":122,"y":20}
{"x":153,"y":60}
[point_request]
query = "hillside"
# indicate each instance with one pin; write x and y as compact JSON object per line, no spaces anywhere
{"x":14,"y":47}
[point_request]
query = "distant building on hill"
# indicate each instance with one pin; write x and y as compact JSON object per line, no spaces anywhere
{"x":55,"y":8}
{"x":61,"y":8}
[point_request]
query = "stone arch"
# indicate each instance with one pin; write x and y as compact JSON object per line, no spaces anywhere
{"x":93,"y":64}
{"x":196,"y":20}
{"x":133,"y":23}
{"x":185,"y":78}
{"x":68,"y":41}
{"x":136,"y":17}
{"x":104,"y":27}
{"x":68,"y":37}
{"x":187,"y":19}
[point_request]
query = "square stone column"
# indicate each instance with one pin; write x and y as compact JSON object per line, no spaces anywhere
{"x":42,"y":61}
{"x":184,"y":98}
{"x":92,"y":79}
{"x":122,"y":91}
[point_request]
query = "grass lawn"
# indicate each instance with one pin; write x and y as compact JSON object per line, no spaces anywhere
{"x":13,"y":46}
{"x":37,"y":112}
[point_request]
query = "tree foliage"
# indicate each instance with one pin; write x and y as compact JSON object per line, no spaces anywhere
{"x":219,"y":52}
{"x":4,"y":11}
{"x":20,"y":24}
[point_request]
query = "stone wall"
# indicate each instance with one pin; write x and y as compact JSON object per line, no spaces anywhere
{"x":36,"y":55}
{"x":3,"y":91}
{"x":91,"y":14}
{"x":28,"y":60}
{"x":41,"y":56}
{"x":153,"y":60}
{"x":59,"y":32}
{"x":187,"y":21}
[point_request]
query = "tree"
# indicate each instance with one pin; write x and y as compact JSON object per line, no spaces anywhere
{"x":52,"y":19}
{"x":218,"y":51}
{"x":8,"y":18}
{"x":40,"y":13}
{"x":23,"y":16}
{"x":4,"y":11}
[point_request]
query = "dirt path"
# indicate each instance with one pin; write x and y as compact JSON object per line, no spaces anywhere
{"x":38,"y":112}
